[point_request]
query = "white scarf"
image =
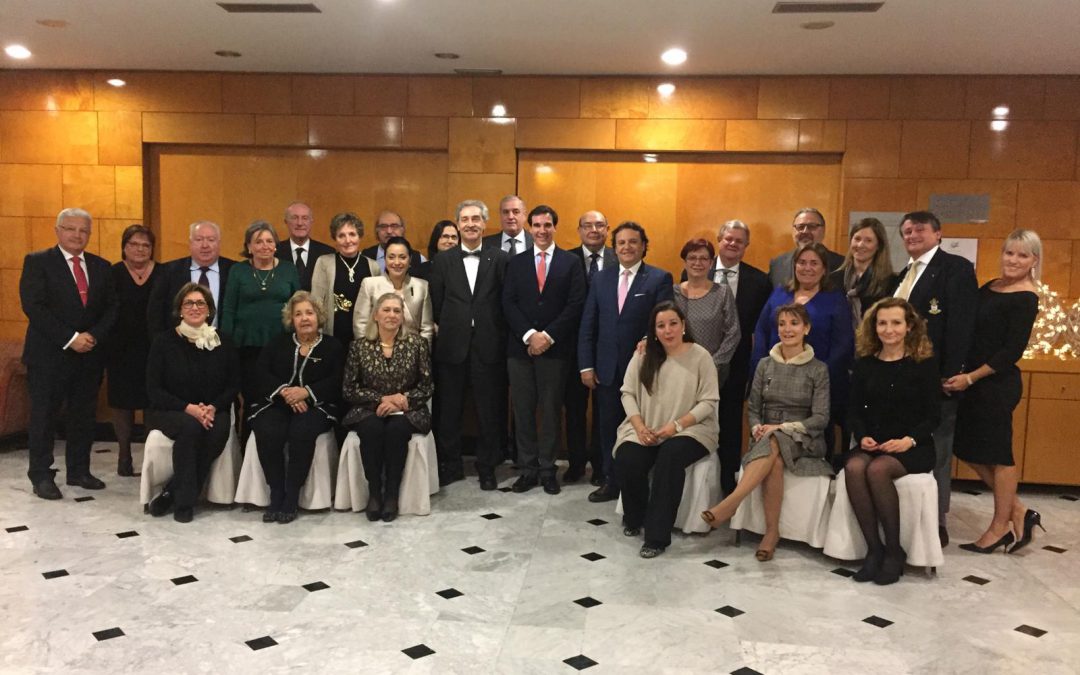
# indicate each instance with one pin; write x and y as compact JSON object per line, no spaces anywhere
{"x":204,"y":337}
{"x":799,"y":359}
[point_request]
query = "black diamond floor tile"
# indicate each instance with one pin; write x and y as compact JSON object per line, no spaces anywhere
{"x":108,"y":634}
{"x":974,"y":493}
{"x":506,"y":489}
{"x":592,"y":557}
{"x":745,"y":671}
{"x":55,"y":574}
{"x":579,"y":662}
{"x":102,"y":451}
{"x":356,"y":544}
{"x":877,"y":621}
{"x":843,"y":571}
{"x":316,"y":586}
{"x":17,"y":528}
{"x":450,"y":593}
{"x":1070,"y":498}
{"x":716,"y":564}
{"x":87,"y":498}
{"x":261,"y":643}
{"x":418,"y":651}
{"x":491,"y":516}
{"x":1054,"y":549}
{"x":127,"y":535}
{"x":180,"y":581}
{"x":473,"y":550}
{"x":728,"y":610}
{"x":597,"y":521}
{"x":979,"y":581}
{"x":1030,"y":630}
{"x":240,"y":539}
{"x":588,"y":602}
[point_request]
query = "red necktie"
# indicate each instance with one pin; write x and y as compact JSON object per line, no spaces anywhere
{"x":80,"y":279}
{"x":541,"y":271}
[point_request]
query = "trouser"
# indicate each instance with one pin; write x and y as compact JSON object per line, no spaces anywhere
{"x":70,"y":381}
{"x":943,"y":441}
{"x":581,"y":447}
{"x":609,"y":406}
{"x":538,"y":384}
{"x":730,"y":415}
{"x":275,"y":427}
{"x":194,"y":450}
{"x":655,"y":507}
{"x":489,"y":395}
{"x":384,"y":444}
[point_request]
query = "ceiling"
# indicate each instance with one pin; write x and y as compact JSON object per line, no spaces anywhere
{"x":560,"y":37}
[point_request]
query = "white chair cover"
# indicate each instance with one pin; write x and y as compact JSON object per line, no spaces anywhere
{"x":157,"y":469}
{"x":317,"y":492}
{"x":804,"y":511}
{"x":701,"y":489}
{"x":918,"y":523}
{"x":419,"y":481}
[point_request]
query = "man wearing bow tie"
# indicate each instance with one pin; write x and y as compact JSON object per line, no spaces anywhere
{"x":299,"y":248}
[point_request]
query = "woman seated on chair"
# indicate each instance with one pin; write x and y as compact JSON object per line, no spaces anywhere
{"x":388,"y":383}
{"x":298,"y":387}
{"x":788,"y":411}
{"x":192,"y":379}
{"x":895,"y":405}
{"x":670,"y":393}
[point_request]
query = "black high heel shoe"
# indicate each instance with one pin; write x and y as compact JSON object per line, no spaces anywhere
{"x":1031,"y":519}
{"x":1004,"y":541}
{"x":870,"y":568}
{"x":892,"y":568}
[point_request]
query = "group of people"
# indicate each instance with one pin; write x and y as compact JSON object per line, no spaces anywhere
{"x":841,"y":361}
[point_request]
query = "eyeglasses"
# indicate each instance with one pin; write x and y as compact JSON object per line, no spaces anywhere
{"x":139,"y":244}
{"x":193,"y":304}
{"x":697,"y":259}
{"x":593,"y":226}
{"x":804,"y":227}
{"x":389,"y":226}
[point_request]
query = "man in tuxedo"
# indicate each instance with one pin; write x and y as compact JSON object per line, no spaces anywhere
{"x":594,"y":257}
{"x":543,"y":294}
{"x":389,"y":224}
{"x":616,"y":318}
{"x":470,"y":350}
{"x":300,"y":249}
{"x":68,"y":296}
{"x":943,"y":290}
{"x":204,"y":266}
{"x":808,"y":227}
{"x":513,"y":238}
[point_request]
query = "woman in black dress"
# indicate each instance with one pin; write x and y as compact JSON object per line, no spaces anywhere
{"x":335,"y":281}
{"x":129,"y":345}
{"x":895,"y":405}
{"x":1007,"y":309}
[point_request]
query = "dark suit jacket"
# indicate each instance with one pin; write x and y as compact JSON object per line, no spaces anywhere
{"x":468,"y":321}
{"x":608,"y":256}
{"x":946,"y":295}
{"x":780,"y":266}
{"x":495,"y":241}
{"x":176,"y":274}
{"x":555,"y":311}
{"x":414,"y":261}
{"x":320,"y":373}
{"x":314,"y":250}
{"x":607,"y":338}
{"x":50,"y":300}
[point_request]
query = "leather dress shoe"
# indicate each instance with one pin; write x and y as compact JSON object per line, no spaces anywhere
{"x":161,"y":504}
{"x":184,"y":514}
{"x":525,"y":482}
{"x":551,"y":485}
{"x":46,"y":489}
{"x":607,"y":493}
{"x":597,"y":479}
{"x":573,"y":474}
{"x":124,"y":467}
{"x":943,"y":536}
{"x":487,"y":482}
{"x":86,"y":482}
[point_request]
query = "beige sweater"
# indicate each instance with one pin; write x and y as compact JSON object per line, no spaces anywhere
{"x":685,"y":384}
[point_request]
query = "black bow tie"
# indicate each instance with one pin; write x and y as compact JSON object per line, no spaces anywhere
{"x":466,"y":254}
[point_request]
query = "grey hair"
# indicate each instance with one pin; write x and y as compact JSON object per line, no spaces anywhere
{"x":311,"y":211}
{"x":371,"y":332}
{"x":1031,"y":241}
{"x":74,"y":212}
{"x":508,"y":198}
{"x":253,"y":231}
{"x":199,"y":223}
{"x":809,"y":209}
{"x":735,"y":225}
{"x":484,"y":213}
{"x":290,"y":306}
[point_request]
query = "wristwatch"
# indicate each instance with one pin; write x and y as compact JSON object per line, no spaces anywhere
{"x":678,"y":427}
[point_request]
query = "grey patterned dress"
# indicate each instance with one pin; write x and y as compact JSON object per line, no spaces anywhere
{"x":795,"y":395}
{"x":714,"y":324}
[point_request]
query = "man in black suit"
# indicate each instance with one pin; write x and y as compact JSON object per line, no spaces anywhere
{"x":594,"y":257}
{"x":543,"y":294}
{"x":513,"y":238}
{"x":68,"y":296}
{"x":943,"y":290}
{"x":466,"y":297}
{"x":390,"y":224}
{"x":300,"y":249}
{"x":808,"y":227}
{"x":204,"y":266}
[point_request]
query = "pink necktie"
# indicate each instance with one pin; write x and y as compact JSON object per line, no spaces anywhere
{"x":624,"y":288}
{"x":541,"y":271}
{"x":80,"y":279}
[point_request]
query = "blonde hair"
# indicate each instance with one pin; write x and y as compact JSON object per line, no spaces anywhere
{"x":290,"y":306}
{"x":1030,"y":241}
{"x":371,"y":332}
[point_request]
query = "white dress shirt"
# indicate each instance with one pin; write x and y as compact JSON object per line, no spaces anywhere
{"x":213,"y":275}
{"x":923,"y":261}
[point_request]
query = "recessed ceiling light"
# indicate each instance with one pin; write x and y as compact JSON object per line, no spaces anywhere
{"x":17,"y":52}
{"x":1001,"y":111}
{"x":999,"y":125}
{"x":665,"y":89}
{"x":52,"y":23}
{"x":818,"y":25}
{"x":227,"y":54}
{"x":449,"y":56}
{"x":544,"y":168}
{"x":674,"y":56}
{"x":498,"y":110}
{"x":116,"y":82}
{"x":650,"y":158}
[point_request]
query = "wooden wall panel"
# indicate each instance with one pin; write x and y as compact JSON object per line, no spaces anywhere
{"x":322,"y":95}
{"x":487,"y":187}
{"x":341,"y":131}
{"x":1023,"y":96}
{"x":440,"y":97}
{"x":872,"y":150}
{"x":707,"y":98}
{"x":568,"y":134}
{"x":255,"y":93}
{"x":380,"y":95}
{"x":16,"y":242}
{"x":482,"y":145}
{"x":691,"y":135}
{"x":92,"y":188}
{"x":46,"y":90}
{"x":119,"y":137}
{"x":615,"y":97}
{"x":859,"y":98}
{"x":934,"y":149}
{"x":1024,"y":150}
{"x":793,"y":98}
{"x":147,"y":91}
{"x":199,"y":128}
{"x":30,"y":189}
{"x":48,"y":137}
{"x":1002,"y":205}
{"x":926,"y":97}
{"x":281,"y":130}
{"x":528,"y":96}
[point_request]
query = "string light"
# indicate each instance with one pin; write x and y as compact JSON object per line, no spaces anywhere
{"x":1053,"y":326}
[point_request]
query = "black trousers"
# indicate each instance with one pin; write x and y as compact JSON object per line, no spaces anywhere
{"x":731,"y":418}
{"x":609,"y":408}
{"x":538,"y":385}
{"x":275,"y":427}
{"x":487,"y":381}
{"x":655,"y":508}
{"x":384,"y":444}
{"x":194,"y":450}
{"x":69,"y":382}
{"x":581,"y":448}
{"x":249,"y":372}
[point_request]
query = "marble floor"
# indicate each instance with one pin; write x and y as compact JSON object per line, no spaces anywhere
{"x":500,"y":582}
